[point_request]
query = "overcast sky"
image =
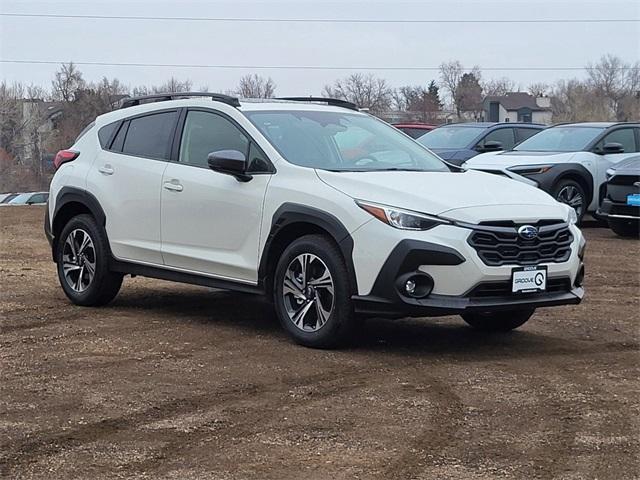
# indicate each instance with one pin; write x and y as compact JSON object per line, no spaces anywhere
{"x":318,"y":44}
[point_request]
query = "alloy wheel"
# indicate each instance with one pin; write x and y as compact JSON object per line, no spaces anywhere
{"x":308,"y":292}
{"x":572,"y":197}
{"x":78,"y":260}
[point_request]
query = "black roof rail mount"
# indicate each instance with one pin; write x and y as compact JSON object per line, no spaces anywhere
{"x":163,"y":97}
{"x":334,"y":102}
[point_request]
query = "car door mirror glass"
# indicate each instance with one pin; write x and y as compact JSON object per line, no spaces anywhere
{"x":612,"y":147}
{"x":229,"y":162}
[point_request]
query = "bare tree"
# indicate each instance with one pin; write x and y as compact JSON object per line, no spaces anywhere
{"x":575,"y":101}
{"x":67,"y":83}
{"x":498,"y":86}
{"x":423,"y":103}
{"x":365,"y":90}
{"x":539,"y":89}
{"x":451,"y":78}
{"x":255,"y":86}
{"x":614,"y":79}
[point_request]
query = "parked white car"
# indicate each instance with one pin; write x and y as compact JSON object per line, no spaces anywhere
{"x":331,"y":212}
{"x":569,"y":161}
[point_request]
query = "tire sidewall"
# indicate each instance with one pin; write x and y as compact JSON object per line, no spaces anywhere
{"x":88,"y":224}
{"x":340,"y":321}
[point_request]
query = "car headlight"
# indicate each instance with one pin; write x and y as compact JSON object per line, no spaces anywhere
{"x":572,"y":216}
{"x":400,"y":218}
{"x":530,"y":169}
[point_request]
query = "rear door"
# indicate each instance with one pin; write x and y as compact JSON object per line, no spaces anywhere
{"x":211,"y":221}
{"x":126,"y":179}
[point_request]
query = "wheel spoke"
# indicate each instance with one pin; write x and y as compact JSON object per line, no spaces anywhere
{"x":298,"y":317}
{"x":78,"y":285}
{"x":69,"y":267}
{"x":304,"y":260}
{"x":321,"y":314}
{"x":323,"y":281}
{"x":72,"y":245}
{"x":86,"y":240}
{"x":291,"y":286}
{"x":91,"y":269}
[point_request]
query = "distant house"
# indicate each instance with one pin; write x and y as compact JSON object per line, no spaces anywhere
{"x":517,"y":107}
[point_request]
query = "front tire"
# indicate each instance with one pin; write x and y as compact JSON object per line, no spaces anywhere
{"x":312,"y":293}
{"x":625,"y":228}
{"x":502,"y":321}
{"x":571,"y":192}
{"x":82,"y":257}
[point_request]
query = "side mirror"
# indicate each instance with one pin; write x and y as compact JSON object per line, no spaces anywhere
{"x":490,"y":146}
{"x":229,"y":162}
{"x":612,"y":148}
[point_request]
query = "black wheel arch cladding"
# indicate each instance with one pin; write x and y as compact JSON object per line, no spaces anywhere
{"x":290,"y":214}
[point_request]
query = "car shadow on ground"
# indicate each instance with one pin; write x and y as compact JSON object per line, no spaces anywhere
{"x":409,"y":336}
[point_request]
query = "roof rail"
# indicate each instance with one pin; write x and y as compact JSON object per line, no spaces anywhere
{"x":334,"y":102}
{"x":163,"y":97}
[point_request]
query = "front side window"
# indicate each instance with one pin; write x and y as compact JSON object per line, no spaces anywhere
{"x":150,"y":136}
{"x":560,"y":139}
{"x":502,"y":135}
{"x":623,"y":136}
{"x":340,"y":141}
{"x":205,"y":133}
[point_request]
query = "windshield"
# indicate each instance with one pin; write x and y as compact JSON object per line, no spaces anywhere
{"x":339,"y":141}
{"x":560,"y":139}
{"x":450,"y":137}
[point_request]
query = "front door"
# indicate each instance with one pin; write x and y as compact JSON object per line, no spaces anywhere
{"x":211,"y":221}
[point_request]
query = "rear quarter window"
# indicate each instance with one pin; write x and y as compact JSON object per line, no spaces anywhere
{"x":106,"y":132}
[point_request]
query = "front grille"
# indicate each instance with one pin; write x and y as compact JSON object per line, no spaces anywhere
{"x":503,"y":288}
{"x":499,"y":243}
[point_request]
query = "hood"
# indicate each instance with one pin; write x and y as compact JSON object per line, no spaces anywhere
{"x":630,"y":166}
{"x":512,"y":158}
{"x":436,"y":192}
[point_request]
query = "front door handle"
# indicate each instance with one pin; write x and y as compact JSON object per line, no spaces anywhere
{"x":106,"y":169}
{"x":174,"y":186}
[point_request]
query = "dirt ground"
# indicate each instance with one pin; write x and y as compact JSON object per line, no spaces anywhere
{"x":178,"y":382}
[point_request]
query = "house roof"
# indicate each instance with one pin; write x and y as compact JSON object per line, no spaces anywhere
{"x":516,"y":101}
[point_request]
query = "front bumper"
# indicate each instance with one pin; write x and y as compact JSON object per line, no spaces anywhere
{"x":618,"y":210}
{"x":438,"y":305}
{"x":459,"y":279}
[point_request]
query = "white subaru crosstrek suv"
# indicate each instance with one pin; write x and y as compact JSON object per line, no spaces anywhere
{"x":332,"y":213}
{"x":569,"y":161}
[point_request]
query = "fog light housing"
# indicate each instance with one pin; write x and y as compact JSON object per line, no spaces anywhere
{"x":414,"y":284}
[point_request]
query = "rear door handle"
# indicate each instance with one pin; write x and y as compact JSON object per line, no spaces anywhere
{"x":106,"y":169}
{"x":174,"y":186}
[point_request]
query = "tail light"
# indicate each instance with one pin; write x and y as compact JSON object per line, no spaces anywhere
{"x":64,"y":156}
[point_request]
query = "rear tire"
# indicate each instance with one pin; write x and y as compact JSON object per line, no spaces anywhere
{"x":502,"y":321}
{"x":82,"y":257}
{"x":312,"y":293}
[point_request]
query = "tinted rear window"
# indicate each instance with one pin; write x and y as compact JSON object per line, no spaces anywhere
{"x":150,"y":136}
{"x":105,"y":133}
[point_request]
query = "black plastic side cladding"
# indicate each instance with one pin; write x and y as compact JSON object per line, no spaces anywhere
{"x":292,"y":213}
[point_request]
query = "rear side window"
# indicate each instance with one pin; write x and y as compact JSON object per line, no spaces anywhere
{"x":524,"y":133}
{"x":150,"y":136}
{"x":106,"y":132}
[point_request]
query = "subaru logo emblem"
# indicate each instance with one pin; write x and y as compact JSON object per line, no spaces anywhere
{"x":528,"y":232}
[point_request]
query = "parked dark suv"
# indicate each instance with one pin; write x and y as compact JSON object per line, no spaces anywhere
{"x":458,"y":142}
{"x":621,"y":204}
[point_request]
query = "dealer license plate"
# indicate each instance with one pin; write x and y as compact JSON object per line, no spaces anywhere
{"x":633,"y":199}
{"x":529,"y":279}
